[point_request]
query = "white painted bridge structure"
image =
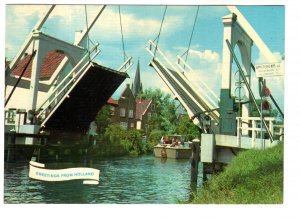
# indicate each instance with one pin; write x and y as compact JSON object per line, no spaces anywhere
{"x":221,"y":141}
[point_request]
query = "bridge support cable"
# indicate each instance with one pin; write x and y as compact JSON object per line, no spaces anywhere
{"x":87,"y":27}
{"x":123,"y":45}
{"x":249,"y":88}
{"x":126,"y":59}
{"x":162,"y":21}
{"x":19,"y":79}
{"x":28,"y":40}
{"x":187,"y":52}
{"x":271,"y":96}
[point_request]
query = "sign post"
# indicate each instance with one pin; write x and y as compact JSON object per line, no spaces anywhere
{"x":264,"y":92}
{"x":269,"y":70}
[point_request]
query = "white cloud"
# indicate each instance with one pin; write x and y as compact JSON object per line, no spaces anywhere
{"x":28,"y":10}
{"x":133,"y":27}
{"x":206,"y":55}
{"x":18,"y":20}
{"x":262,"y":60}
{"x":66,"y":19}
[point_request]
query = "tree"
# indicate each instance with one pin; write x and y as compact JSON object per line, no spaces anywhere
{"x":187,"y":127}
{"x":103,"y":119}
{"x":130,"y":139}
{"x":165,"y":109}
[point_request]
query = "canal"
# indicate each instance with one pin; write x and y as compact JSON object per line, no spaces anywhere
{"x":132,"y":180}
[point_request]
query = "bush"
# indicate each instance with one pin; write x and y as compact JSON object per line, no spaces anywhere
{"x":188,"y":128}
{"x":130,"y":139}
{"x":114,"y":134}
{"x":253,"y":177}
{"x":154,"y":138}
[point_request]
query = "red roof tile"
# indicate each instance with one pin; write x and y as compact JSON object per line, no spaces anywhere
{"x":141,"y":107}
{"x":50,"y":64}
{"x":112,"y":102}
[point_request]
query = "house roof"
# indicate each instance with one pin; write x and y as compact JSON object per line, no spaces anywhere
{"x":49,"y":65}
{"x":141,"y":107}
{"x":112,"y":102}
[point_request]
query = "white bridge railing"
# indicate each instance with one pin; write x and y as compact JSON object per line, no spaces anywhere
{"x":254,"y":125}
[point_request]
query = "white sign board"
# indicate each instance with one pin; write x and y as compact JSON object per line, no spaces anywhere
{"x":269,"y":70}
{"x":36,"y":171}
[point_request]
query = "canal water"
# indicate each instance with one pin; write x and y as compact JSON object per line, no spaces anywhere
{"x":124,"y":180}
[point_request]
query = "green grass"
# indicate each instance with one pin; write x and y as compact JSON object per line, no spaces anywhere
{"x":253,"y":177}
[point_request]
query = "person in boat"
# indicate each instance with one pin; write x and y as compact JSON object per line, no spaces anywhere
{"x":167,"y":140}
{"x":176,"y":142}
{"x":162,"y":140}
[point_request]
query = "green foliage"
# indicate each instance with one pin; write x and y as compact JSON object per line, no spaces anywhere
{"x":253,"y":177}
{"x":114,"y":133}
{"x":132,"y":142}
{"x":103,"y":119}
{"x":187,"y":127}
{"x":273,"y":112}
{"x":165,"y":109}
{"x":130,"y":139}
{"x":154,"y":137}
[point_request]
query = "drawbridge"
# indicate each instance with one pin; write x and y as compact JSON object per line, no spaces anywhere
{"x":201,"y":108}
{"x":55,"y":86}
{"x":226,"y":124}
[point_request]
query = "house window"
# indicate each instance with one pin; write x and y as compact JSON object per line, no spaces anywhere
{"x":131,"y":125}
{"x":149,"y":115}
{"x":124,"y":125}
{"x":130,"y":113}
{"x":153,"y":115}
{"x":153,"y":107}
{"x":122,"y":112}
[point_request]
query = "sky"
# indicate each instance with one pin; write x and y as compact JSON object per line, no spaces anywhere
{"x":141,"y":23}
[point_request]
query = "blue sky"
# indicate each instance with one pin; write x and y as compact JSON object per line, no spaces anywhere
{"x":267,"y":21}
{"x":141,"y":23}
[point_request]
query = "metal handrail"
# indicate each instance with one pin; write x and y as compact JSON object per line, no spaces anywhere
{"x":66,"y":94}
{"x":203,"y":83}
{"x":214,"y":114}
{"x":202,"y":90}
{"x":65,"y":85}
{"x":124,"y":65}
{"x":67,"y":76}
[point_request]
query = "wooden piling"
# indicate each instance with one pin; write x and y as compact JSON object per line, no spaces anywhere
{"x":194,"y":163}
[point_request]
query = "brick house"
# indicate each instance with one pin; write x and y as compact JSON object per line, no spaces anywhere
{"x":145,"y":109}
{"x":124,"y":111}
{"x":130,"y":112}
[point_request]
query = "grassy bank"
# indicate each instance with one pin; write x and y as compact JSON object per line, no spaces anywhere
{"x":253,"y":177}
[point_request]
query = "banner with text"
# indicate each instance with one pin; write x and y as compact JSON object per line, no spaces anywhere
{"x":85,"y":173}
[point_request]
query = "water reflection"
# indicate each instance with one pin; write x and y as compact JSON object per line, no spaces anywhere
{"x":122,"y":180}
